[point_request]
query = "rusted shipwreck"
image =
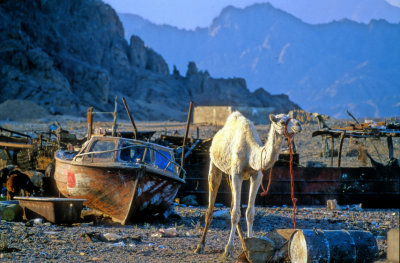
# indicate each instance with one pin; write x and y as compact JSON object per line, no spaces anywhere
{"x":123,"y":178}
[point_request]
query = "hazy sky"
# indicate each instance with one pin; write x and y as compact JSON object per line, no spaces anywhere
{"x":190,"y":14}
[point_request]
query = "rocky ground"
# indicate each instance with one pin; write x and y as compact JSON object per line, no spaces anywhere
{"x":139,"y":242}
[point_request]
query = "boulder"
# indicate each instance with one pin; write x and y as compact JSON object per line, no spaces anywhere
{"x":21,"y":110}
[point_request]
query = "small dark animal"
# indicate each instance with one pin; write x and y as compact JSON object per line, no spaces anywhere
{"x":17,"y":182}
{"x":4,"y":175}
{"x":3,"y":179}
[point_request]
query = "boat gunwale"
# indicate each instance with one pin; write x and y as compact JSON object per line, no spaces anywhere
{"x":120,"y":165}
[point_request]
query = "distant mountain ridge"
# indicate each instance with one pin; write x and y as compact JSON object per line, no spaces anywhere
{"x":326,"y":68}
{"x":68,"y":55}
{"x":326,"y":11}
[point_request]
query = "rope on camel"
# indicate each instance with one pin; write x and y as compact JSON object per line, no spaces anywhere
{"x":265,"y":191}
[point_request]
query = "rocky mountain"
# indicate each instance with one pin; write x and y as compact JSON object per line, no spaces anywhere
{"x":309,"y":11}
{"x":68,"y":55}
{"x":325,"y":67}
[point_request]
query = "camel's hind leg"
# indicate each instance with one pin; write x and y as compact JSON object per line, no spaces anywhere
{"x":214,"y":180}
{"x":236,"y":181}
{"x":255,"y":182}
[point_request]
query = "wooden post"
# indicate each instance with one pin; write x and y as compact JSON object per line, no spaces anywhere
{"x":340,"y":147}
{"x":114,"y":127}
{"x":90,"y":123}
{"x":351,"y":115}
{"x":390,"y":146}
{"x":186,"y":132}
{"x":332,"y":149}
{"x":130,"y":118}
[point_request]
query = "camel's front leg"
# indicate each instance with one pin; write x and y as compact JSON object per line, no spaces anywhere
{"x":255,"y":182}
{"x":235,"y":214}
{"x":214,"y":180}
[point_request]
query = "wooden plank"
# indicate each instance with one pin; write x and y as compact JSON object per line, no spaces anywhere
{"x":340,"y":147}
{"x":186,"y":133}
{"x":390,"y":146}
{"x":16,"y":145}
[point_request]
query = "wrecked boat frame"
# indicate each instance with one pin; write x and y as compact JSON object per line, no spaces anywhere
{"x":123,"y":178}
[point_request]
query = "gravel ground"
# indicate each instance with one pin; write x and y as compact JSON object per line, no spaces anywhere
{"x":48,"y":243}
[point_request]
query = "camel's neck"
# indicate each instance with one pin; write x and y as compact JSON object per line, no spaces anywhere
{"x":271,"y":152}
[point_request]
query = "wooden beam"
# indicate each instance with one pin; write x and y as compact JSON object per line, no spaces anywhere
{"x":340,"y":148}
{"x":186,"y":132}
{"x":130,"y":117}
{"x":390,"y":146}
{"x":90,"y":123}
{"x":332,"y":149}
{"x":16,"y":145}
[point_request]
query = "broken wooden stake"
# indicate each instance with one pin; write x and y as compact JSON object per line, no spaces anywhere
{"x":130,"y":118}
{"x":186,"y":132}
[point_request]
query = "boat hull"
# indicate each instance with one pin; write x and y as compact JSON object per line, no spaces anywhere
{"x":122,"y":192}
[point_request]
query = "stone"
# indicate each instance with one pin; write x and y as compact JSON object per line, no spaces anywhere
{"x":259,"y":250}
{"x":393,"y":245}
{"x":21,"y":110}
{"x":189,"y":200}
{"x":12,"y":212}
{"x":222,"y":214}
{"x":332,"y":204}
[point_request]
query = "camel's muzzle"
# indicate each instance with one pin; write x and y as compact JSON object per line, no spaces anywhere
{"x":296,"y":129}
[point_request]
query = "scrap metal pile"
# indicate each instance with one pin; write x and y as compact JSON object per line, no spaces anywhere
{"x":368,"y":130}
{"x":32,"y":156}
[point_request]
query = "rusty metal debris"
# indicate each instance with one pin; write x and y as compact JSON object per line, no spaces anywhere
{"x":27,"y":155}
{"x":30,"y":153}
{"x":110,"y":237}
{"x":368,"y":130}
{"x":54,"y":210}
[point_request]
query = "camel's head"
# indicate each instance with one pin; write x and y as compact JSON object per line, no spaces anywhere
{"x":280,"y":122}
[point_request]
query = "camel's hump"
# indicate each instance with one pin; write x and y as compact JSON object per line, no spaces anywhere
{"x":235,"y":116}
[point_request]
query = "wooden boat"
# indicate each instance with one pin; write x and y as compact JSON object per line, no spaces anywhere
{"x":123,"y":178}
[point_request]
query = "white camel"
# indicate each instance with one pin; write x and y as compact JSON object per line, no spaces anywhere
{"x":237,"y":150}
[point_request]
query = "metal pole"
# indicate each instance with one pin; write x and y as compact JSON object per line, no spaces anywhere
{"x":130,"y":117}
{"x":186,"y":132}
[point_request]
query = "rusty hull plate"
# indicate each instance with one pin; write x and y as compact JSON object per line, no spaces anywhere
{"x":371,"y":186}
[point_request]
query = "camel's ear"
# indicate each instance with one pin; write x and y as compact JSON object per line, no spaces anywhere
{"x":272,"y":118}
